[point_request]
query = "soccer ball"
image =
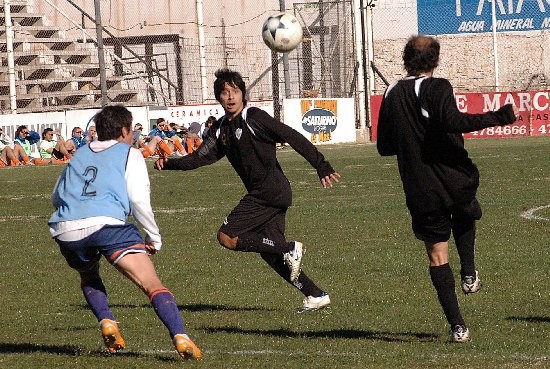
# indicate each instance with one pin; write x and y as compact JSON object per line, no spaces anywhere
{"x":282,"y":32}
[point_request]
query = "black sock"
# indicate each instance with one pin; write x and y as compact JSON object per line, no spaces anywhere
{"x":307,"y":286}
{"x":254,"y":242}
{"x":303,"y":284}
{"x":464,"y":233}
{"x":444,"y":283}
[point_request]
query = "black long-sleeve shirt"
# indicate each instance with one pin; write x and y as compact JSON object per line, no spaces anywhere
{"x":249,"y":145}
{"x":421,"y":124}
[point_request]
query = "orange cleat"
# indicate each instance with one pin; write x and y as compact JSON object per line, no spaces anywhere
{"x":186,"y":348}
{"x":111,"y":335}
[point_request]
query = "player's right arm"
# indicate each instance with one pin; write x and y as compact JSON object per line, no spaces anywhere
{"x":207,"y":153}
{"x":386,"y":140}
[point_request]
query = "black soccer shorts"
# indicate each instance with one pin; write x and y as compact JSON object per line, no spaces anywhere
{"x":252,"y":216}
{"x":436,"y":226}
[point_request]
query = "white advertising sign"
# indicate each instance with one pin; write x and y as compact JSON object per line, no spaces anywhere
{"x":187,"y":114}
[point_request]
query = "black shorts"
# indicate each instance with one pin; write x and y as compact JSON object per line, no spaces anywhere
{"x":57,"y":154}
{"x":251,"y":216}
{"x":437,"y":226}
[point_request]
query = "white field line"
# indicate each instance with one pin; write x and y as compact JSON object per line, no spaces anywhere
{"x":326,"y":353}
{"x":530,"y":214}
{"x":180,"y":210}
{"x":20,"y":217}
{"x":243,"y":352}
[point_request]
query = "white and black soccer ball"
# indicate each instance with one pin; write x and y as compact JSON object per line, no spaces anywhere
{"x":282,"y":32}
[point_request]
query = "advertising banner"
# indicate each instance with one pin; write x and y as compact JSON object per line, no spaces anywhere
{"x":533,"y":120}
{"x":475,"y":16}
{"x":187,"y":114}
{"x":34,"y":121}
{"x":322,"y":121}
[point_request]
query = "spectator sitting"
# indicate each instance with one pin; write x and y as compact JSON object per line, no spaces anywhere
{"x":5,"y":139}
{"x":7,"y":156}
{"x":24,"y":139}
{"x":148,"y":145}
{"x":91,"y":134}
{"x":164,"y":131}
{"x":76,"y":141}
{"x":53,"y":151}
{"x":182,"y":133}
{"x":193,"y":140}
{"x":209,"y":121}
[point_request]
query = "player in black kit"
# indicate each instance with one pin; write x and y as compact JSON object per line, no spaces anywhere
{"x":421,"y":124}
{"x":248,"y":138}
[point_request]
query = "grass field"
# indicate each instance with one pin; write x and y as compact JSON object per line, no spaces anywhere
{"x":384,"y":313}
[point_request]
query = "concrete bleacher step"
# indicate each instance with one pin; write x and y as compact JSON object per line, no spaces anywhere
{"x":52,"y":72}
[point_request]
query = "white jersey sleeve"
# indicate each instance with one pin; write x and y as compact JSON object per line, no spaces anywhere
{"x":139,"y":194}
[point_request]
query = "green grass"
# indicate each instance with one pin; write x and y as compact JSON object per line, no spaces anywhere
{"x":360,"y":248}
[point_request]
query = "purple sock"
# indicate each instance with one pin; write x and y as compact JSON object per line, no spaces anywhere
{"x":96,"y":296}
{"x":165,"y":306}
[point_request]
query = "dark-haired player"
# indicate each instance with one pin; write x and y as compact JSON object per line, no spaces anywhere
{"x":421,"y":124}
{"x":248,"y":138}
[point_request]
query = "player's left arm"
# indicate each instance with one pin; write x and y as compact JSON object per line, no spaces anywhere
{"x":446,"y":113}
{"x":139,"y":194}
{"x":280,"y":132}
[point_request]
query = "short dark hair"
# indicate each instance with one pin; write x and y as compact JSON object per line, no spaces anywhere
{"x":46,"y":131}
{"x":19,"y":129}
{"x":160,"y":120}
{"x":421,"y":54}
{"x":110,"y":120}
{"x":226,"y":75}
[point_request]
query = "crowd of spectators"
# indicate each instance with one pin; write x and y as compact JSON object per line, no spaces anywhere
{"x":165,"y":139}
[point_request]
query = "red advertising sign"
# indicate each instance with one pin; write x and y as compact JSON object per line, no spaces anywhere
{"x":533,"y":120}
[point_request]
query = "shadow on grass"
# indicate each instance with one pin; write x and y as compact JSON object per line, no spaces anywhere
{"x":26,"y":348}
{"x":189,"y":307}
{"x":333,"y":334}
{"x":530,"y":319}
{"x":71,"y":350}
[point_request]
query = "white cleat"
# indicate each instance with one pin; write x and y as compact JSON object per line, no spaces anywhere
{"x":314,"y":303}
{"x":293,"y":259}
{"x":460,"y":334}
{"x":471,"y":284}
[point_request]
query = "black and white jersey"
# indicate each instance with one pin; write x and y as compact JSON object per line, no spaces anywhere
{"x":421,"y":124}
{"x":249,"y":143}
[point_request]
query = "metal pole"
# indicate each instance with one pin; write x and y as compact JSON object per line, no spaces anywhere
{"x":286,"y":67}
{"x":11,"y":62}
{"x":370,"y":44}
{"x":100,"y":54}
{"x":275,"y":83}
{"x":202,"y":51}
{"x":359,"y":46}
{"x":495,"y":45}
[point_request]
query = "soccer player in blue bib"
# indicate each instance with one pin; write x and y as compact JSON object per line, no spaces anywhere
{"x":103,"y":184}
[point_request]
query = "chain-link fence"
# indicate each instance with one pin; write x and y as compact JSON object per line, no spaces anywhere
{"x":163,"y":53}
